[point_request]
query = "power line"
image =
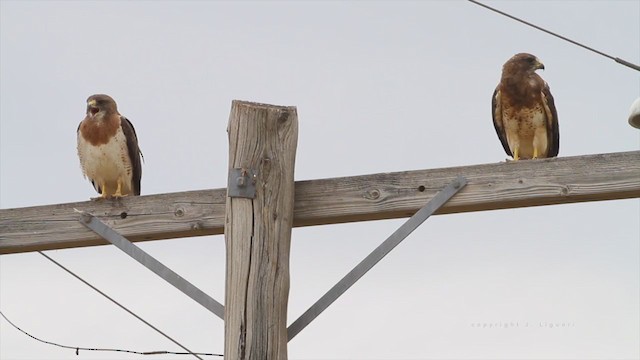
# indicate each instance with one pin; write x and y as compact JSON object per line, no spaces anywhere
{"x":120,"y":305}
{"x":616,"y":59}
{"x":78,"y":348}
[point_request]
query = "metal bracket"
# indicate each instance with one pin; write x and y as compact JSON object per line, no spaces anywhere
{"x":242,"y":183}
{"x":152,"y":264}
{"x":375,"y":256}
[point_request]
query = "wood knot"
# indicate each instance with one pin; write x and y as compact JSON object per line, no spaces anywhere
{"x":179,"y":212}
{"x":421,"y":188}
{"x":123,"y":215}
{"x":283,"y":117}
{"x":372,"y":194}
{"x":265,"y":168}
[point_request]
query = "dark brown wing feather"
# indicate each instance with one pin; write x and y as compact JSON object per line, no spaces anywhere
{"x":496,"y":113}
{"x":553,"y":131}
{"x":134,"y":153}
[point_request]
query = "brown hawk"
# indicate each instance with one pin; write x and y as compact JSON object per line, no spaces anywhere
{"x":524,"y":114}
{"x":108,"y":149}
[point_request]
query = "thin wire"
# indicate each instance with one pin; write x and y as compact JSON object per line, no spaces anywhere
{"x":77,"y":349}
{"x":120,"y":305}
{"x":616,"y":59}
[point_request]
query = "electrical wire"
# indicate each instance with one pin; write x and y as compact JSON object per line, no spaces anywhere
{"x":616,"y":59}
{"x":78,"y":348}
{"x":120,"y":305}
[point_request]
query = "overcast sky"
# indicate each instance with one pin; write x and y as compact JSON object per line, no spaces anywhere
{"x":379,"y":87}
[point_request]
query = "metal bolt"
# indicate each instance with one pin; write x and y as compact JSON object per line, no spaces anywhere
{"x":241,"y":181}
{"x":86,"y":218}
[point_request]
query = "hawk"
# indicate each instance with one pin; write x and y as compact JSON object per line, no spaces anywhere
{"x":524,"y":114}
{"x":108,"y":149}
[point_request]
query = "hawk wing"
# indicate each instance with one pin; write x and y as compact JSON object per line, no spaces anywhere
{"x":496,"y":113}
{"x":134,"y":153}
{"x":553,"y":132}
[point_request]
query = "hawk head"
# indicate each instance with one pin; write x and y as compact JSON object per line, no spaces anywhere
{"x":522,"y":63}
{"x":100,"y":105}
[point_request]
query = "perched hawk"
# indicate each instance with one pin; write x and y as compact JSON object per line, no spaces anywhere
{"x":108,"y":149}
{"x":524,"y":114}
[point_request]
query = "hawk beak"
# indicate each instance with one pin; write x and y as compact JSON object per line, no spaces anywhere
{"x":539,"y":64}
{"x":92,"y":108}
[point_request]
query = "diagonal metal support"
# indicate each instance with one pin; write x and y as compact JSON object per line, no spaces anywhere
{"x":376,"y":255}
{"x":152,"y":264}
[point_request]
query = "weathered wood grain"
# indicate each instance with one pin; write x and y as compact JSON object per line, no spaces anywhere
{"x":327,"y":201}
{"x":258,"y":232}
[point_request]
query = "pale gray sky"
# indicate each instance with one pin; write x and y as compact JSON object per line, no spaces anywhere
{"x":379,"y":86}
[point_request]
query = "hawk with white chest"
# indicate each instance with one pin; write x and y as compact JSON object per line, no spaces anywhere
{"x":524,"y":113}
{"x":108,"y":150}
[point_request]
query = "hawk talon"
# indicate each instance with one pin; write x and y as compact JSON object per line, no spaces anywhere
{"x":103,"y":193}
{"x":118,"y":194}
{"x":100,"y":198}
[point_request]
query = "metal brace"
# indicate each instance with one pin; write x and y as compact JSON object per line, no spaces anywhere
{"x":152,"y":264}
{"x":242,"y":183}
{"x":375,"y":256}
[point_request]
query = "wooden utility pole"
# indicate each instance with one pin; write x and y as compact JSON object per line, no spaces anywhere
{"x":262,"y":149}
